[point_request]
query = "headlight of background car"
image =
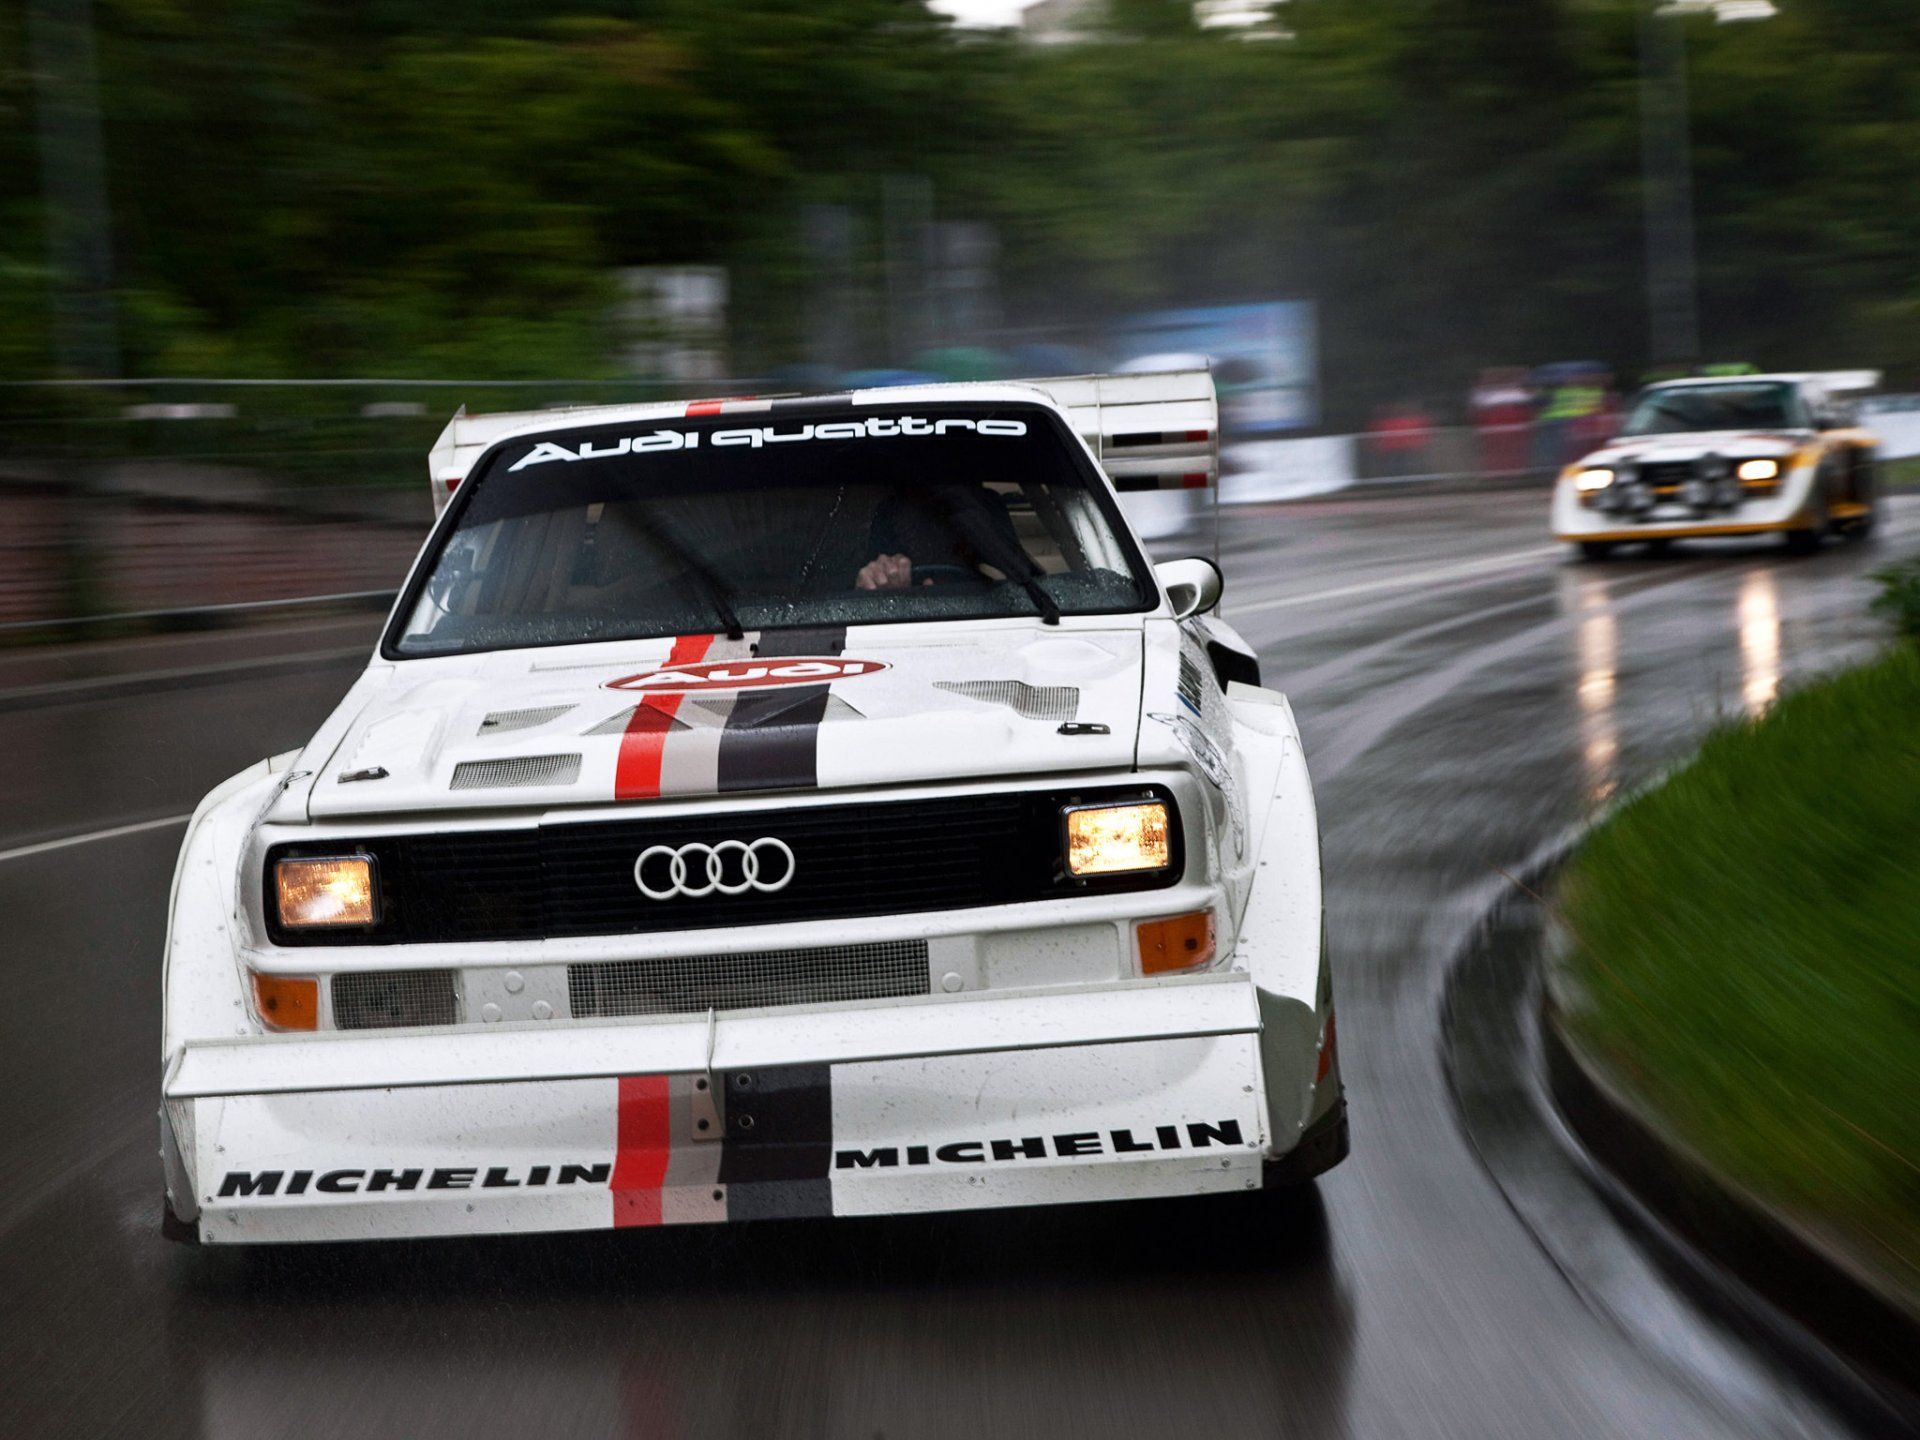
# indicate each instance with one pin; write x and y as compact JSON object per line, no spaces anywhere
{"x":1590,"y":482}
{"x":337,"y":890}
{"x":1759,"y":470}
{"x":1115,"y":839}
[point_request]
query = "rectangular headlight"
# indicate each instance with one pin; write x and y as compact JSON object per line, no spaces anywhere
{"x":1589,"y":482}
{"x":1115,"y":839}
{"x":337,"y":890}
{"x":1759,"y":470}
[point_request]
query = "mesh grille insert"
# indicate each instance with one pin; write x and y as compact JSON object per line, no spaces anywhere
{"x":521,"y":770}
{"x":674,"y":984}
{"x":381,"y":1000}
{"x":1030,"y":702}
{"x":521,"y":719}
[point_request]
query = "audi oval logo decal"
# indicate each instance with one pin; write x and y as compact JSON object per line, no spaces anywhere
{"x":746,"y":674}
{"x":732,"y":867}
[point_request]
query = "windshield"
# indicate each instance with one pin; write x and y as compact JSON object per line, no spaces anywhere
{"x":823,"y":516}
{"x":1758,"y":405}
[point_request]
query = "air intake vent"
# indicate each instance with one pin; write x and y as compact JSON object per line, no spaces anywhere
{"x":502,"y":720}
{"x":678,"y":984}
{"x":616,"y":723}
{"x":521,"y":770}
{"x":383,"y":1000}
{"x":1031,"y":702}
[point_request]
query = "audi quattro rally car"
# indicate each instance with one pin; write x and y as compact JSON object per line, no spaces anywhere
{"x":1752,"y":455}
{"x":766,"y":808}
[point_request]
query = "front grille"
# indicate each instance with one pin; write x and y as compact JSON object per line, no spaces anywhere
{"x":381,"y":1000}
{"x":1662,"y":474}
{"x":673,"y":984}
{"x":875,"y":858}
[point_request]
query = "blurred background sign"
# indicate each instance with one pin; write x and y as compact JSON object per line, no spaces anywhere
{"x":1265,"y":358}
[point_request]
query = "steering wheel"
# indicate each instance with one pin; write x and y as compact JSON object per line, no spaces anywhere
{"x":948,"y":575}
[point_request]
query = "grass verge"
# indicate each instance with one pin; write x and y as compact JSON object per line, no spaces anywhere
{"x":1746,"y":957}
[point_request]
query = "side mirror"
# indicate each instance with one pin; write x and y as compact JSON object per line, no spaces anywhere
{"x":1193,"y":585}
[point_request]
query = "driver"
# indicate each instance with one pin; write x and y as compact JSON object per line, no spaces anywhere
{"x":961,"y":527}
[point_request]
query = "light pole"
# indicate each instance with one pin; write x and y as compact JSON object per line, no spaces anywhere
{"x":1673,"y":291}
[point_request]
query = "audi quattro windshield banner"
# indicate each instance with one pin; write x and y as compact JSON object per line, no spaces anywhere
{"x":871,"y":428}
{"x":1111,"y":1121}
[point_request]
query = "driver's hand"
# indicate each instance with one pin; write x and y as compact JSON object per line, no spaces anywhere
{"x":885,"y":572}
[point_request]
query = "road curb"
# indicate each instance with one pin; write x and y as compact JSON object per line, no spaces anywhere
{"x":1495,"y":1049}
{"x":1769,"y":1254}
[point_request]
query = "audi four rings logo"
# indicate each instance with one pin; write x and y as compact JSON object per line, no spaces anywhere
{"x":694,"y":870}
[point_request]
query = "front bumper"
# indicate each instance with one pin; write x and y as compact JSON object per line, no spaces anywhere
{"x":1146,"y":1088}
{"x":1790,"y":508}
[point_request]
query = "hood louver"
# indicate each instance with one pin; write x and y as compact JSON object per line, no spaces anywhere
{"x":1030,"y":702}
{"x":521,"y":770}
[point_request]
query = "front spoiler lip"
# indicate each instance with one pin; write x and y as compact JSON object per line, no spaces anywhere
{"x":1681,"y":529}
{"x":1125,"y":1091}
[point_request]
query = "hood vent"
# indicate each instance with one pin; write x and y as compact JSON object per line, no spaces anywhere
{"x":521,"y":770}
{"x":502,"y":720}
{"x":1030,"y":702}
{"x":616,"y":723}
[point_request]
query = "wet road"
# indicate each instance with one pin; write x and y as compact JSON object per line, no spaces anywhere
{"x":1466,"y":692}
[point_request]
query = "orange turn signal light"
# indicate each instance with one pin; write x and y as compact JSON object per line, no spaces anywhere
{"x":287,"y":1003}
{"x":1180,"y":942}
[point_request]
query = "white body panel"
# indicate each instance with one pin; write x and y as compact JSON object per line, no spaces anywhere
{"x":1039,"y":1066}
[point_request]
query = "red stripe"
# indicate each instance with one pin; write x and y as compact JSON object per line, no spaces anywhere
{"x":1196,"y":481}
{"x":640,"y":1157}
{"x":705,"y":407}
{"x":636,"y":774}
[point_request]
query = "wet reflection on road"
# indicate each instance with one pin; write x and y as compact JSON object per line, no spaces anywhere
{"x":1598,"y":639}
{"x":1759,"y":640}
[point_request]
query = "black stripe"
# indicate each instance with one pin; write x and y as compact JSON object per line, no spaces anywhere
{"x":771,"y":740}
{"x":813,"y":402}
{"x":779,"y":1142}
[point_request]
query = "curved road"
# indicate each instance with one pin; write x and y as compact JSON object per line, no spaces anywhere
{"x":1467,"y":693}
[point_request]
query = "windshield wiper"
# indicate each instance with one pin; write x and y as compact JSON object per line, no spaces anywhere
{"x":1042,"y":601}
{"x":716,"y":592}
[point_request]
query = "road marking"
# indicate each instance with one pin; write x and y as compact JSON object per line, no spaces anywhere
{"x":1399,"y":582}
{"x":45,"y":846}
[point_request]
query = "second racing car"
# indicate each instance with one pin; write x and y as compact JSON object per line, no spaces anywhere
{"x":1747,"y":455}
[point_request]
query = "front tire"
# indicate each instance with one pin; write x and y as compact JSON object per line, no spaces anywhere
{"x":1324,"y":1146}
{"x":1808,"y":540}
{"x":1595,"y":549}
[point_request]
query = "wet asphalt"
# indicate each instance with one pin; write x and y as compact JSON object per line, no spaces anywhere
{"x":1467,"y":692}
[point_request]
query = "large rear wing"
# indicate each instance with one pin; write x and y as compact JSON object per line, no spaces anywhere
{"x":1149,"y":432}
{"x":1849,"y":382}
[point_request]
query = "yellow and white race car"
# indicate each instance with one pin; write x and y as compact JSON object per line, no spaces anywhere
{"x":1748,"y":455}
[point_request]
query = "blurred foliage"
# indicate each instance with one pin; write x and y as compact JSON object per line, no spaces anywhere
{"x":1744,"y":950}
{"x":409,"y":189}
{"x":1899,"y":597}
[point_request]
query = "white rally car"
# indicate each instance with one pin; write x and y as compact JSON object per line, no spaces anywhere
{"x":766,"y":808}
{"x":1738,"y":455}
